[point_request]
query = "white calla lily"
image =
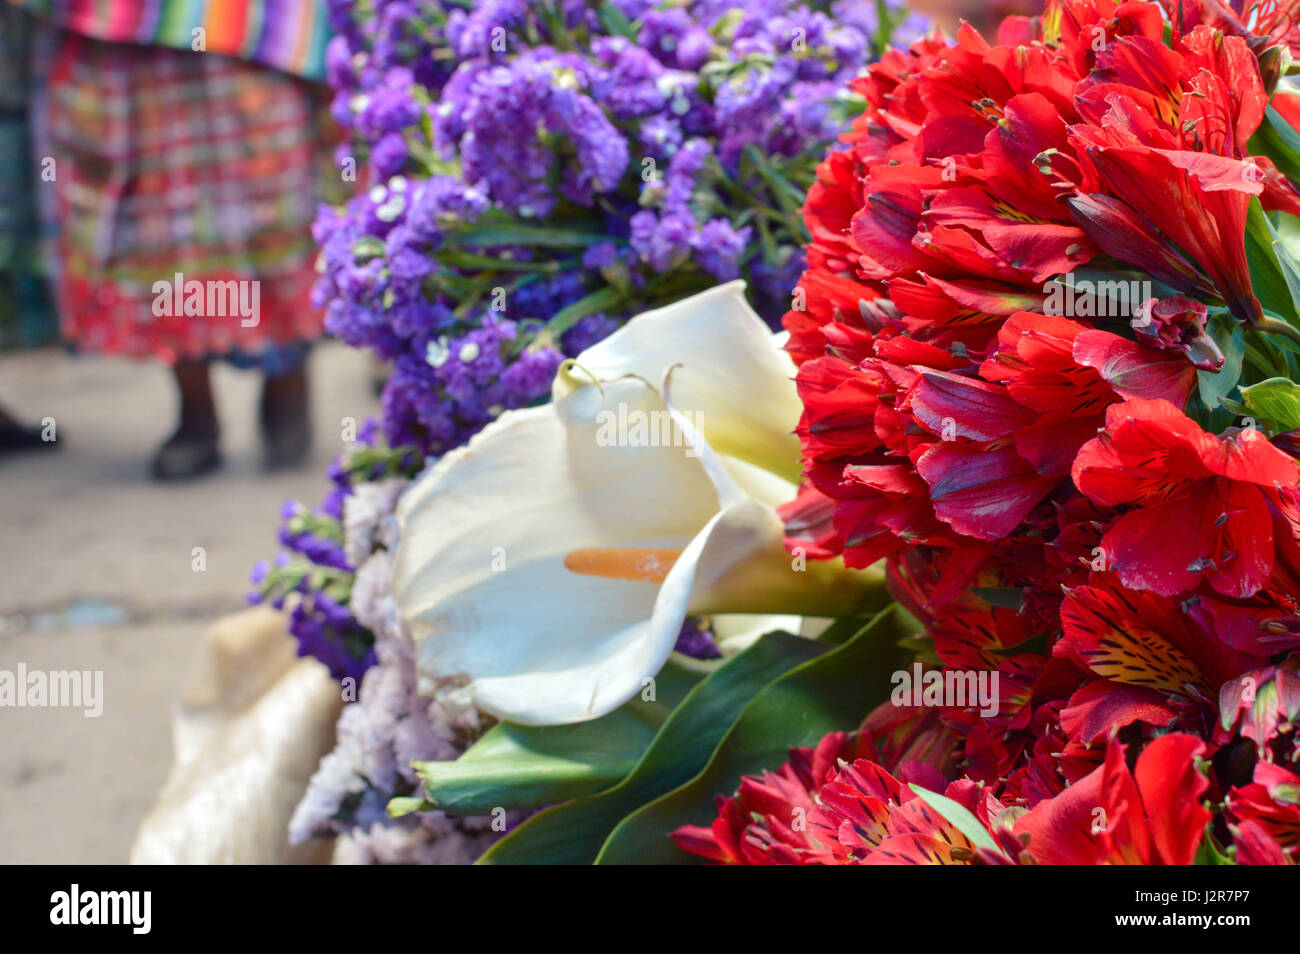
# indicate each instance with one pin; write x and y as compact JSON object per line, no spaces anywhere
{"x":546,"y":568}
{"x":730,"y":374}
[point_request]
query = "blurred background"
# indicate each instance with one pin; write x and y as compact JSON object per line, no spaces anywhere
{"x":142,"y":476}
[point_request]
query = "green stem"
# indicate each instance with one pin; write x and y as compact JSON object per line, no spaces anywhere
{"x":1276,"y":326}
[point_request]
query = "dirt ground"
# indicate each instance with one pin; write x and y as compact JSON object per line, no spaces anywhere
{"x":99,"y":571}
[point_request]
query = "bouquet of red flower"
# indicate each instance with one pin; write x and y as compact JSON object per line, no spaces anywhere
{"x":1047,"y":347}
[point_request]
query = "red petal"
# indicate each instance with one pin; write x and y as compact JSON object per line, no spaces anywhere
{"x":1171,"y":790}
{"x":981,"y":493}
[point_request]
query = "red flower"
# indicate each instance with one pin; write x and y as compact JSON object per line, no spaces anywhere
{"x":1142,"y":639}
{"x":767,"y":821}
{"x":822,"y":808}
{"x":1152,"y":815}
{"x":1263,"y":705}
{"x":1178,"y":324}
{"x":1268,"y":810}
{"x":1046,"y":508}
{"x":1203,"y":506}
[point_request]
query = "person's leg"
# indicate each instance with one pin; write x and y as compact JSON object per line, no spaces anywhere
{"x":192,"y":450}
{"x":286,"y":427}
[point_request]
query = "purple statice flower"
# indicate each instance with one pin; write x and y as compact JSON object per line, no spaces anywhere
{"x":494,"y":116}
{"x":313,"y":575}
{"x":589,"y":331}
{"x":389,"y":155}
{"x":663,"y":241}
{"x":391,"y":107}
{"x":683,"y":171}
{"x":326,"y":631}
{"x":696,"y":640}
{"x":600,"y":255}
{"x":718,"y":248}
{"x":388,"y":728}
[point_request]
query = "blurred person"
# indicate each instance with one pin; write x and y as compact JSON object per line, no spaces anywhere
{"x":187,"y":148}
{"x":27,"y":315}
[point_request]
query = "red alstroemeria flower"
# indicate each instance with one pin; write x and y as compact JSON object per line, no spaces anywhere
{"x":1178,"y":324}
{"x":1156,"y":663}
{"x":1152,"y":815}
{"x":1263,"y":23}
{"x":1046,"y":508}
{"x":853,"y":812}
{"x":1270,"y":804}
{"x":766,"y":822}
{"x":1202,"y":506}
{"x":1263,"y":705}
{"x":1255,"y":846}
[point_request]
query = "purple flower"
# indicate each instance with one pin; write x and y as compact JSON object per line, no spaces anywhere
{"x":600,"y":255}
{"x":662,"y":241}
{"x":390,"y":108}
{"x":718,"y":248}
{"x":389,"y":155}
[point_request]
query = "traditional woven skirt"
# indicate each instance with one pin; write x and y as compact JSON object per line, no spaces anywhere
{"x":185,"y":185}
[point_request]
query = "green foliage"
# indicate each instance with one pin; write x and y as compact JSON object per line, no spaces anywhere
{"x":573,"y":833}
{"x":832,"y":692}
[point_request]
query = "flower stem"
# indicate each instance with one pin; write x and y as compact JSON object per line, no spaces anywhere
{"x":1276,"y":326}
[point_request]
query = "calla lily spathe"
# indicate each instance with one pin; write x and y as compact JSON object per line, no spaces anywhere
{"x":545,"y":570}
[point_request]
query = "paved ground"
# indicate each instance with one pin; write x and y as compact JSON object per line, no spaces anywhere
{"x":97,"y":572}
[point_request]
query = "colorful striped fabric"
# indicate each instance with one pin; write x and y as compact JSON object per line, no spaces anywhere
{"x":181,"y":168}
{"x":288,"y":35}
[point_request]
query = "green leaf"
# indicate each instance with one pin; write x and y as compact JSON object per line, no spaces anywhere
{"x":960,"y":817}
{"x":834,"y":691}
{"x":1210,"y":852}
{"x":538,"y":236}
{"x":1267,"y":276}
{"x":564,"y":319}
{"x":406,"y":804}
{"x":1008,"y":597}
{"x":572,"y":833}
{"x":523,"y":766}
{"x":1213,"y":385}
{"x":1276,"y":400}
{"x":1290,"y":271}
{"x":1277,"y":140}
{"x":615,"y":21}
{"x":455,"y":258}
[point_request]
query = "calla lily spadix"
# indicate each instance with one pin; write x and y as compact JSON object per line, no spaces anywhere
{"x":546,"y":569}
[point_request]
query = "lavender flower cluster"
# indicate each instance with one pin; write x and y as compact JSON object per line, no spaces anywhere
{"x":314,"y":574}
{"x":541,"y":170}
{"x":390,"y":725}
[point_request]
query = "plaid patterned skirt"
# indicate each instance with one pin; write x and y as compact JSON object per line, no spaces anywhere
{"x":175,"y":173}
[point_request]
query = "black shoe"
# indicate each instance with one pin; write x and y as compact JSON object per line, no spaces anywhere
{"x":186,"y":455}
{"x":14,"y":438}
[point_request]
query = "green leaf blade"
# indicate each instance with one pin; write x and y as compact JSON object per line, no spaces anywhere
{"x":573,"y":833}
{"x":518,"y":766}
{"x":833,"y":692}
